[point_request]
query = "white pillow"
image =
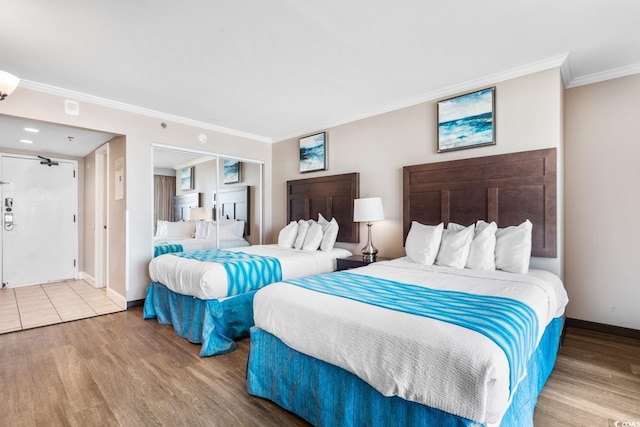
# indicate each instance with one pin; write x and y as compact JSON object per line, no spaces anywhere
{"x":183,"y":229}
{"x":161,"y":228}
{"x":210,"y":230}
{"x":287,"y":235}
{"x":513,"y":248}
{"x":330,"y":233}
{"x":303,"y":227}
{"x":231,"y":229}
{"x":202,"y":228}
{"x":313,"y":238}
{"x":483,"y":246}
{"x":423,"y":242}
{"x":454,"y":247}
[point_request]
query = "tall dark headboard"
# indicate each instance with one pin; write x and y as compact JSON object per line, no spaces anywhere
{"x":332,"y":196}
{"x":507,"y":189}
{"x":233,"y":203}
{"x":183,"y":202}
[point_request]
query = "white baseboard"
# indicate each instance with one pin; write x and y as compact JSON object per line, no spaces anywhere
{"x":88,"y":278}
{"x":117,"y":298}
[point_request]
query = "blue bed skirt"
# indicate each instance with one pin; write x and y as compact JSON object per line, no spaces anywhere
{"x":214,"y":323}
{"x":326,"y":395}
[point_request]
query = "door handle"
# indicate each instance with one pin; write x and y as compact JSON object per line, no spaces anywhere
{"x":8,"y":221}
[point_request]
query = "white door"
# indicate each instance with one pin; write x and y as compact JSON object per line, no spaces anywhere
{"x":39,"y":228}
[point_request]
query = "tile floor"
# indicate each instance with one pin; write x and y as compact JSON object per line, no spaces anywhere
{"x":40,"y":305}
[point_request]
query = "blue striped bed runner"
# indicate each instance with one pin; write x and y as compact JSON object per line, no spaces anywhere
{"x":512,"y":325}
{"x":166,"y":248}
{"x":245,"y":272}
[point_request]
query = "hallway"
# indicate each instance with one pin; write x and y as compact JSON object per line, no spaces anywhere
{"x":40,"y":305}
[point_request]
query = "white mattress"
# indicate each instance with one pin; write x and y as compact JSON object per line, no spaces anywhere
{"x":200,"y":244}
{"x":417,"y":358}
{"x":208,"y":280}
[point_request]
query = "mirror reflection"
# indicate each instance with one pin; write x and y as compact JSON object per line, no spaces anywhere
{"x":202,"y":201}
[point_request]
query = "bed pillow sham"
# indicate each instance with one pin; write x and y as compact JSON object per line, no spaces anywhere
{"x":423,"y":242}
{"x":201,"y":230}
{"x":313,"y":239}
{"x":303,"y":227}
{"x":231,"y":229}
{"x":180,"y":229}
{"x":329,"y":233}
{"x":513,"y":248}
{"x":287,"y":236}
{"x":483,"y":247}
{"x":455,"y":246}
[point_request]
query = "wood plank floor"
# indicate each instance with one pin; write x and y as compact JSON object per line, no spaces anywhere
{"x":120,"y":370}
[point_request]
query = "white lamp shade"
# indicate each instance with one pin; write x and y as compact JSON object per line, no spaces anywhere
{"x":367,"y":210}
{"x":8,"y":83}
{"x":197,"y":213}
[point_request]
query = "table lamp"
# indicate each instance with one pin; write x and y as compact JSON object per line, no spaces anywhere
{"x":368,"y":210}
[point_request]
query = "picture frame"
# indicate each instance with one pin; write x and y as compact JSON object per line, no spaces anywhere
{"x":467,"y":121}
{"x":313,"y":153}
{"x":187,"y":178}
{"x":232,"y":171}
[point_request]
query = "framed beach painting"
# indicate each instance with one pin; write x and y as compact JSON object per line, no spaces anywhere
{"x":232,"y":171}
{"x":187,"y":179}
{"x":313,"y":152}
{"x":467,"y":121}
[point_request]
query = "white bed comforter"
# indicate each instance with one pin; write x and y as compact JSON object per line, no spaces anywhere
{"x":416,"y":358}
{"x":208,"y":280}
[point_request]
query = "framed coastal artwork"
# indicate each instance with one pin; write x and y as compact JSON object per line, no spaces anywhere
{"x":187,"y":179}
{"x":232,"y":171}
{"x":467,"y":121}
{"x":313,"y":152}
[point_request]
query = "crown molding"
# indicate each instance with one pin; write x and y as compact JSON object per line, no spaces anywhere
{"x":79,"y":96}
{"x":489,"y":80}
{"x":604,"y":75}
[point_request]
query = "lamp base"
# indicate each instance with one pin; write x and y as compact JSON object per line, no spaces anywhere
{"x":369,"y":257}
{"x":369,"y":252}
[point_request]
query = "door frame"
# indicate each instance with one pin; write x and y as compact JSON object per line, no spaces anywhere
{"x":101,"y":217}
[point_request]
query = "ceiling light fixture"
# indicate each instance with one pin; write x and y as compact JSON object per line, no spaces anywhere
{"x":26,"y":141}
{"x":8,"y":83}
{"x":32,"y":130}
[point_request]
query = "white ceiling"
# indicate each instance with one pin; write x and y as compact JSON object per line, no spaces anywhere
{"x":280,"y":69}
{"x":51,"y":138}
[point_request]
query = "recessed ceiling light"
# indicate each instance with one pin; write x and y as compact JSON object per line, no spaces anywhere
{"x":26,"y":141}
{"x":32,"y":130}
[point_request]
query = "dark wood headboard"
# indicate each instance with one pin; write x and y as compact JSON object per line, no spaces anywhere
{"x":507,"y":189}
{"x":183,"y":202}
{"x":233,"y":203}
{"x":332,"y":196}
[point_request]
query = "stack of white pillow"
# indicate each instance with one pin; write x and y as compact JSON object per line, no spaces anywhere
{"x":480,"y":246}
{"x":230,"y":229}
{"x":173,"y":230}
{"x":309,"y":235}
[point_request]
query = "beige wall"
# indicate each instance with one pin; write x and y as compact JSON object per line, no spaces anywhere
{"x":603,"y":202}
{"x":528,"y":116}
{"x":140,"y":132}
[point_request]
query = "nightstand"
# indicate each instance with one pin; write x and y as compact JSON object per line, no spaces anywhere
{"x":355,"y":261}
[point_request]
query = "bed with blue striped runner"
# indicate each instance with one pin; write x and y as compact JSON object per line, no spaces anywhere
{"x":166,"y":248}
{"x":245,"y":272}
{"x":512,"y":325}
